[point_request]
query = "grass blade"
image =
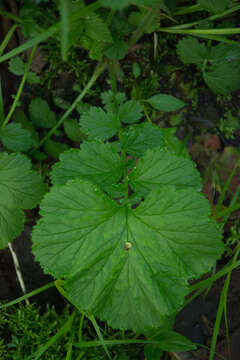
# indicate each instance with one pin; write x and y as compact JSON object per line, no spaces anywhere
{"x":64,"y":7}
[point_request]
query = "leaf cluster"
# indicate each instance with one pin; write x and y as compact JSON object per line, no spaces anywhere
{"x":219,"y":64}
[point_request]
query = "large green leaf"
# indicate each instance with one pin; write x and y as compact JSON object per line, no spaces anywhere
{"x":129,"y":267}
{"x":159,"y":167}
{"x":98,"y":124}
{"x":20,"y":188}
{"x":95,"y":162}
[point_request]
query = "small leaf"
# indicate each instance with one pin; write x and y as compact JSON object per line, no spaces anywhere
{"x":109,"y":98}
{"x":18,"y":67}
{"x":130,"y":112}
{"x":136,"y":18}
{"x":98,"y":124}
{"x":40,"y":114}
{"x":97,"y":29}
{"x":223,"y":78}
{"x":15,"y":138}
{"x":164,"y":102}
{"x":72,"y":130}
{"x":96,"y":162}
{"x":192,"y":51}
{"x":54,"y":148}
{"x":117,"y":50}
{"x":158,"y":168}
{"x":214,"y":6}
{"x":135,"y":140}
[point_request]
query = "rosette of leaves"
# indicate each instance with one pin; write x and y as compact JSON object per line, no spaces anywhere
{"x":125,"y":223}
{"x":220,"y":65}
{"x":20,"y":188}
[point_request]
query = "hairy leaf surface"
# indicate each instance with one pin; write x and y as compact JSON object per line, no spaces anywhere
{"x":129,"y":267}
{"x":95,"y":162}
{"x":158,"y":167}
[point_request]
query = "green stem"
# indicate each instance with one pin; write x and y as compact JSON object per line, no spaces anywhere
{"x":229,"y":31}
{"x":7,"y":38}
{"x":10,"y":16}
{"x":27,"y":296}
{"x":20,"y":89}
{"x":99,"y":69}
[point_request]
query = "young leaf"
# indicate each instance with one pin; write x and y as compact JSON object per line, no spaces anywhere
{"x":129,"y":267}
{"x":96,"y":162}
{"x":20,"y":188}
{"x":130,"y":112}
{"x":72,"y":130}
{"x":15,"y":138}
{"x":97,"y":29}
{"x":17,"y":67}
{"x":214,"y":6}
{"x":192,"y":51}
{"x":164,"y":102}
{"x":98,"y":124}
{"x":40,"y":114}
{"x":117,"y":50}
{"x":54,"y":148}
{"x":158,"y":167}
{"x":108,"y":99}
{"x":135,"y":140}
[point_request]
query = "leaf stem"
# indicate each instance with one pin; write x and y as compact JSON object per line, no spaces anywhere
{"x":20,"y":89}
{"x":98,"y":70}
{"x":7,"y":38}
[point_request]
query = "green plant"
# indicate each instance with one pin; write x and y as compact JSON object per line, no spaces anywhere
{"x":124,"y":224}
{"x":114,"y":223}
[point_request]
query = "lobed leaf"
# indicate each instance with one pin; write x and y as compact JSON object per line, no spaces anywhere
{"x":129,"y":267}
